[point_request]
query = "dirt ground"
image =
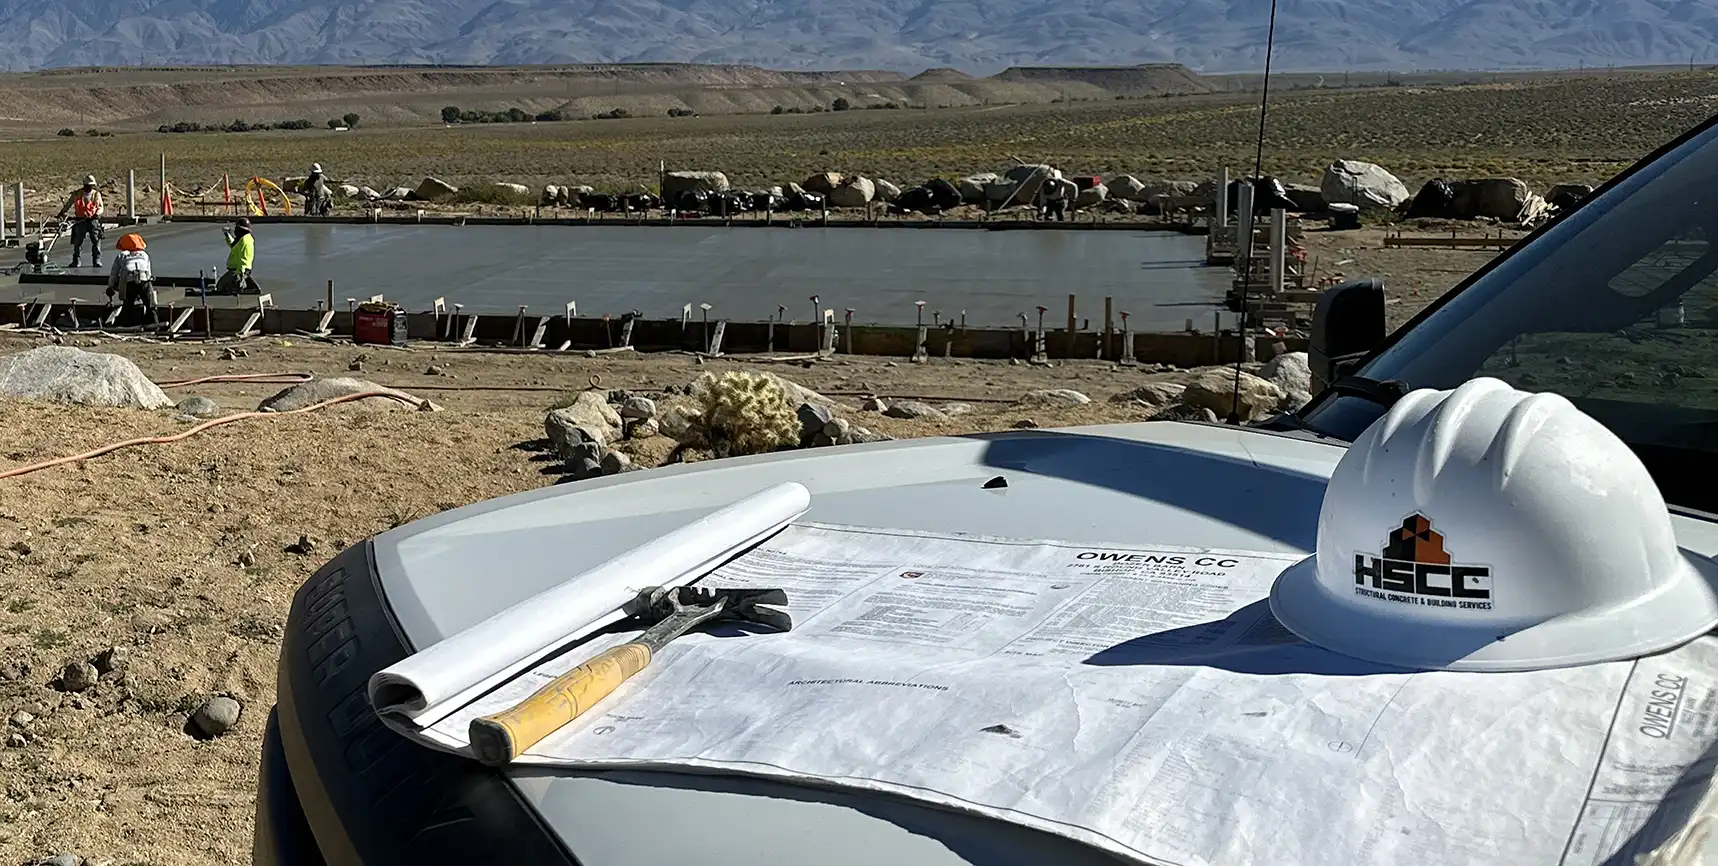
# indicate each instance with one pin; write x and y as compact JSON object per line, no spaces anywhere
{"x":179,"y":553}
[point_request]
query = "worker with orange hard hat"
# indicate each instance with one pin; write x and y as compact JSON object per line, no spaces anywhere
{"x":131,"y":272}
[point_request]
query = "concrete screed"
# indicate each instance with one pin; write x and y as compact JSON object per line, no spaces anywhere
{"x":1160,"y":278}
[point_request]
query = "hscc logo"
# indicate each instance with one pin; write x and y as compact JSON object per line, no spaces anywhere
{"x":1416,"y":569}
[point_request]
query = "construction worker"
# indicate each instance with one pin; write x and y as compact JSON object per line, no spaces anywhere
{"x":1056,"y":194}
{"x":318,"y":201}
{"x":241,"y":254}
{"x":132,"y":274}
{"x":85,"y":207}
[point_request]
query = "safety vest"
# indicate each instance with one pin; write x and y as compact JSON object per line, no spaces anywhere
{"x":87,"y":204}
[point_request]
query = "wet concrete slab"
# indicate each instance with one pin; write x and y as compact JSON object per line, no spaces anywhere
{"x":1159,"y":278}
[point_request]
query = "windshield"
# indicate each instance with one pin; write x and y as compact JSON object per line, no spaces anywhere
{"x":1615,"y":307}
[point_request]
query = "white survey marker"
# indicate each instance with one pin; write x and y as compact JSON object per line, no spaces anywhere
{"x":1491,"y":529}
{"x":1142,"y":700}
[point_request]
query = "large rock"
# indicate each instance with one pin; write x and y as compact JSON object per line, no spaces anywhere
{"x":347,"y":190}
{"x":589,"y":418}
{"x":1126,"y":187}
{"x":676,"y":182}
{"x":1184,"y":412}
{"x":1030,"y":178}
{"x":368,"y":194}
{"x":853,"y":192}
{"x":515,"y":190}
{"x":822,"y":183}
{"x":1293,"y":376}
{"x":1155,"y":395}
{"x":1215,"y":390}
{"x":199,"y":407}
{"x":1004,"y":193}
{"x":1564,"y":196}
{"x":885,"y":190}
{"x":1362,"y":184}
{"x":1091,"y":196}
{"x":319,"y":390}
{"x":435,"y":189}
{"x":971,"y":187}
{"x":62,"y":374}
{"x":1498,"y":198}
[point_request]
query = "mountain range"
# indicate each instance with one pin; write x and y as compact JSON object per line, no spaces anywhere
{"x":977,"y":36}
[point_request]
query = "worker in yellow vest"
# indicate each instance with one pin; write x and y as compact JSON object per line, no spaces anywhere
{"x":241,"y":255}
{"x":85,"y":208}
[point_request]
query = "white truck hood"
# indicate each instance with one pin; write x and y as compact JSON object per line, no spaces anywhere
{"x":1150,"y":483}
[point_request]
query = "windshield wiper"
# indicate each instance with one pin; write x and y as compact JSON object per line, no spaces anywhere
{"x":1384,"y":392}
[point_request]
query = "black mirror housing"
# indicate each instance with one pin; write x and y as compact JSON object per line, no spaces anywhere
{"x":1347,"y":323}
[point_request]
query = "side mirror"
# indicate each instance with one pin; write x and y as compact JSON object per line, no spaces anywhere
{"x":1347,"y":323}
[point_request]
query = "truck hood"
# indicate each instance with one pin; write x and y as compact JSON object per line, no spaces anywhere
{"x":1173,"y":483}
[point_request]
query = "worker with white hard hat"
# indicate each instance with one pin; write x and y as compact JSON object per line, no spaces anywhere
{"x":1490,"y":529}
{"x":85,"y":207}
{"x":318,"y":201}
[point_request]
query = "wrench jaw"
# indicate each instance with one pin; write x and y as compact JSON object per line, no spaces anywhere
{"x":671,"y":612}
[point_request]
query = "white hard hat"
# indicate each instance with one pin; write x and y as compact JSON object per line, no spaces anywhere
{"x":89,"y":181}
{"x":1490,"y":529}
{"x":316,"y":168}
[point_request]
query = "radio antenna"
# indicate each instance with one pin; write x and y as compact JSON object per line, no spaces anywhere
{"x":1246,"y":244}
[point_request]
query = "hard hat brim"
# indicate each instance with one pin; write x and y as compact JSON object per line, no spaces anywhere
{"x":1684,"y":609}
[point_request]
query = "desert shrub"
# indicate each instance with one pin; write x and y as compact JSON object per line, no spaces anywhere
{"x":777,"y":110}
{"x":612,"y":114}
{"x":67,"y":133}
{"x":554,"y":115}
{"x":451,"y":114}
{"x":682,"y":112}
{"x":840,"y":104}
{"x":351,"y":120}
{"x":334,"y":123}
{"x":742,"y":413}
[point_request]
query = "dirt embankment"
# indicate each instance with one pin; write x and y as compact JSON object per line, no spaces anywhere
{"x":145,"y":98}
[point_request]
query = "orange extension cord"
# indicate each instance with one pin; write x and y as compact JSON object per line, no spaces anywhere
{"x":224,"y":419}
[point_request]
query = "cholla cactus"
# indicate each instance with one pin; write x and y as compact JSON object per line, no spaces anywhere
{"x":742,"y":413}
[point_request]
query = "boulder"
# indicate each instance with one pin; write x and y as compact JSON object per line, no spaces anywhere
{"x":514,"y":190}
{"x":1362,"y":184}
{"x":199,"y":407}
{"x":552,"y":196}
{"x":885,"y":190}
{"x":1152,"y":394}
{"x":1091,"y":196}
{"x":1005,"y":193}
{"x":971,"y":187}
{"x":1500,"y":198}
{"x":1293,"y":376}
{"x":293,"y":184}
{"x":822,"y":184}
{"x":582,"y":422}
{"x":1054,"y":398}
{"x":1215,"y":390}
{"x":1306,"y":198}
{"x":1564,"y":196}
{"x":677,"y":182}
{"x":1126,"y":187}
{"x":1030,"y":178}
{"x":62,"y":374}
{"x":853,"y":192}
{"x":637,"y":408}
{"x":433,"y":189}
{"x":318,"y":390}
{"x":400,"y":193}
{"x":368,"y":194}
{"x":574,"y":196}
{"x":348,"y":191}
{"x":812,"y":419}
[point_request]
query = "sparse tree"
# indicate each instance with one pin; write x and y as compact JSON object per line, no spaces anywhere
{"x":840,"y":104}
{"x":450,"y":114}
{"x":67,"y":133}
{"x":351,"y":120}
{"x":334,"y":123}
{"x":778,"y":110}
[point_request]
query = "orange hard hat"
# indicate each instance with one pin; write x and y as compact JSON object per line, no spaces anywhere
{"x":131,"y":242}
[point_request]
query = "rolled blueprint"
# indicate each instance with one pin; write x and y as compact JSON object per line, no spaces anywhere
{"x":425,"y":687}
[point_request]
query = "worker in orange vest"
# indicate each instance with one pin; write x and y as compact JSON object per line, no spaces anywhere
{"x":85,"y":207}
